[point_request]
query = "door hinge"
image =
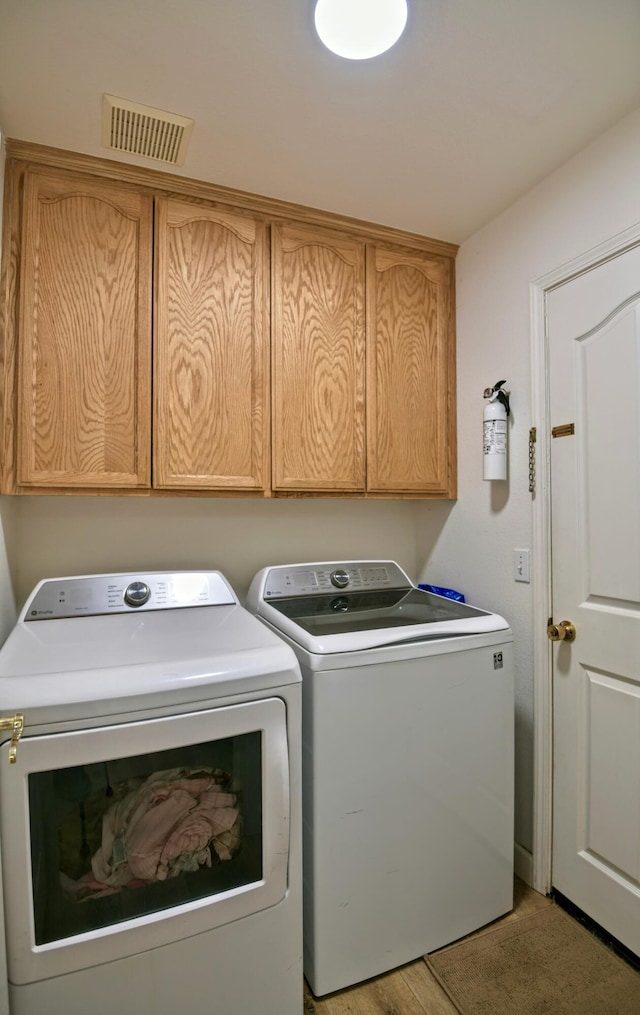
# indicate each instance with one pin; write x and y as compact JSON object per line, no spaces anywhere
{"x":15,"y":723}
{"x":566,"y":430}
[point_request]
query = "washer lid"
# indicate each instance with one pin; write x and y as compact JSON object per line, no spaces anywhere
{"x":375,"y":608}
{"x":88,"y":666}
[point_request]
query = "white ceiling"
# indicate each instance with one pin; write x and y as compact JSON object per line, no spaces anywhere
{"x":478,"y":101}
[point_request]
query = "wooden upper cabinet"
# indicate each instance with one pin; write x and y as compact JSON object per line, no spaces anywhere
{"x":84,"y":334}
{"x":410,"y":373}
{"x":163,"y":335}
{"x":211,"y":423}
{"x":318,"y":360}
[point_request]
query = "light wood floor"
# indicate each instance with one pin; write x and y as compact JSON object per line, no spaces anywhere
{"x":411,"y":990}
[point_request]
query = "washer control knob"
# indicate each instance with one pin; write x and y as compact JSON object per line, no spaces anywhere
{"x":136,"y":594}
{"x":339,"y":578}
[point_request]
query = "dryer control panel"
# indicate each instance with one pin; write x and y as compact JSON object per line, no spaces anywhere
{"x":94,"y":595}
{"x":313,"y":579}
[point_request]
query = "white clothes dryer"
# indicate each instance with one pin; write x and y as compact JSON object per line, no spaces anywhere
{"x":408,"y":764}
{"x":150,"y":823}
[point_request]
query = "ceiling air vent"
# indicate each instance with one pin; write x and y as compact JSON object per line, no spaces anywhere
{"x":143,"y":130}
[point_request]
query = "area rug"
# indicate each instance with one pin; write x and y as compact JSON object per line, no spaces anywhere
{"x":542,"y":964}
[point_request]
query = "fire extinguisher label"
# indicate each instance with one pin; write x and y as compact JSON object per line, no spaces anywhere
{"x":495,"y":437}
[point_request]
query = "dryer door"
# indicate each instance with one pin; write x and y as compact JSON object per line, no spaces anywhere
{"x":120,"y":839}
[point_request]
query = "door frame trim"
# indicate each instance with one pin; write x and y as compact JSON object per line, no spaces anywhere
{"x":541,"y":544}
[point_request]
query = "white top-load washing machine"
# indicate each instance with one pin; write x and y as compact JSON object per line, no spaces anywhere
{"x":150,"y":783}
{"x":408,"y":766}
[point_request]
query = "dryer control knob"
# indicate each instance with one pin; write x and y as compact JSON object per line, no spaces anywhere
{"x":136,"y":594}
{"x":339,"y":578}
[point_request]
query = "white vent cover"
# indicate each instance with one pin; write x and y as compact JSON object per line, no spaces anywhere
{"x":143,"y":130}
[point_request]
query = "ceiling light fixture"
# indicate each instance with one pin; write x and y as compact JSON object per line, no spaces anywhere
{"x":360,"y":29}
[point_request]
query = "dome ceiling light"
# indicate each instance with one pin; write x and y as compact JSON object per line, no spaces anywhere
{"x":360,"y":29}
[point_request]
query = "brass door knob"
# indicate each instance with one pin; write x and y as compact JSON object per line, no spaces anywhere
{"x":564,"y":631}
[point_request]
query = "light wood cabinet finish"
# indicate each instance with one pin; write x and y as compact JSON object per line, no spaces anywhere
{"x":318,"y":371}
{"x":295,"y":352}
{"x":210,"y":349}
{"x":410,"y":382}
{"x":84,"y":334}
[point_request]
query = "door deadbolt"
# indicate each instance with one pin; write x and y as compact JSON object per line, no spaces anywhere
{"x":564,"y":631}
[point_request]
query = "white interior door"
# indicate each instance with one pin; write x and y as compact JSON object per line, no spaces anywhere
{"x":593,"y":325}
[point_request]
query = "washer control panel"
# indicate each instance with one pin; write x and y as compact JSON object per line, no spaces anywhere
{"x":94,"y":595}
{"x":314,"y":579}
{"x":339,"y":578}
{"x":137,"y":593}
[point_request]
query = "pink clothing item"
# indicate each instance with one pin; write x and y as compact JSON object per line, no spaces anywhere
{"x":145,"y":839}
{"x":167,"y":826}
{"x":227,"y":844}
{"x":194,"y":832}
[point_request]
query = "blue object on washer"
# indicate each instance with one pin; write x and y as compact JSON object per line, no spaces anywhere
{"x":439,"y":591}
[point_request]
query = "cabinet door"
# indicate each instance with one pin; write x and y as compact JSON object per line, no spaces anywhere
{"x":211,"y":426}
{"x":318,"y":360}
{"x":84,"y":334}
{"x":410,"y":374}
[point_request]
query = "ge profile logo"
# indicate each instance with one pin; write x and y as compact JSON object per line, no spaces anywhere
{"x":34,"y":613}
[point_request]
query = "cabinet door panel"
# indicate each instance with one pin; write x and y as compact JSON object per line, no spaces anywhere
{"x":318,"y":360}
{"x":210,"y":353}
{"x":85,"y":334}
{"x":410,"y":383}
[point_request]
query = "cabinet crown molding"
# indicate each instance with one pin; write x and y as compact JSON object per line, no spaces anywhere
{"x":272,"y":208}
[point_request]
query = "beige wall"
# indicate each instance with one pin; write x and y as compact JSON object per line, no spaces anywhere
{"x":590,"y":199}
{"x":76,"y":535}
{"x":7,"y":540}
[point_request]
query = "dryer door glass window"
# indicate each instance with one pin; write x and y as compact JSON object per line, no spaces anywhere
{"x":119,"y":839}
{"x":127,"y":837}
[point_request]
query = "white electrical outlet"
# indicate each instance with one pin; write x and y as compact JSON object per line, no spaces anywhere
{"x":521,"y":566}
